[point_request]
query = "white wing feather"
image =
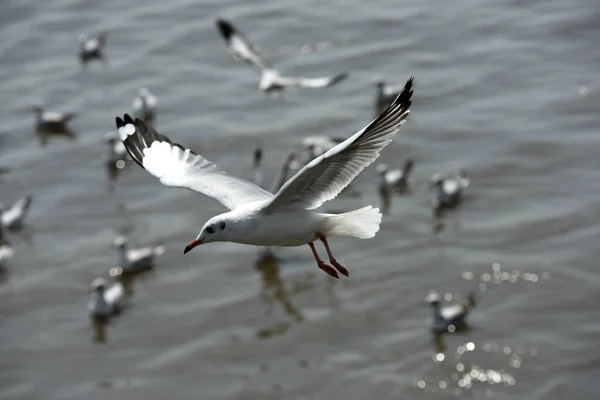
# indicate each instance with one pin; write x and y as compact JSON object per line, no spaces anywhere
{"x":327,"y":175}
{"x":178,"y":167}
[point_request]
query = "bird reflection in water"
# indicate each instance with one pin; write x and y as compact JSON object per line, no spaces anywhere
{"x":274,"y":290}
{"x":44,"y":135}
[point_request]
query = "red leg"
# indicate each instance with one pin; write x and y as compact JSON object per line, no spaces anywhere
{"x":327,"y":268}
{"x":332,"y":260}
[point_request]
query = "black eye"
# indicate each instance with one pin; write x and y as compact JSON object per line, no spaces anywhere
{"x":222,"y":225}
{"x":210,"y":229}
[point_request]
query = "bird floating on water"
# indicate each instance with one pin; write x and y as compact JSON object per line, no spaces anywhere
{"x":385,"y":94}
{"x":105,"y":301}
{"x":133,"y":261}
{"x":13,"y":218}
{"x":271,"y":80}
{"x":144,"y":105}
{"x":315,"y":145}
{"x":392,"y":180}
{"x":51,"y":122}
{"x":448,"y":192}
{"x":258,"y":217}
{"x":117,"y":154}
{"x":450,"y":318}
{"x":91,"y":47}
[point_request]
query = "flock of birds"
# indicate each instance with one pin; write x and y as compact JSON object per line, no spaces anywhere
{"x":269,"y":217}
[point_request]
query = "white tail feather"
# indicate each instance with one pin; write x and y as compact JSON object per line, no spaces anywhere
{"x":362,"y":223}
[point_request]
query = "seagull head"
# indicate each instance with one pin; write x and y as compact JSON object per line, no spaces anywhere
{"x":433,"y":299}
{"x":144,"y":92}
{"x":98,"y":285}
{"x":120,"y":241}
{"x":215,"y":230}
{"x":38,"y":108}
{"x":381,"y":169}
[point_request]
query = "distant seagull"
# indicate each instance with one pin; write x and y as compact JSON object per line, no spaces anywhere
{"x":117,"y":154}
{"x":448,"y":192}
{"x":13,"y":218}
{"x":105,"y":301}
{"x":144,"y":105}
{"x":6,"y":250}
{"x":394,"y":180}
{"x":315,"y":145}
{"x":450,"y":318}
{"x":91,"y":47}
{"x":258,"y":217}
{"x":284,"y":172}
{"x":385,"y":94}
{"x":257,"y":174}
{"x":48,"y":121}
{"x":270,"y":80}
{"x":134,"y":261}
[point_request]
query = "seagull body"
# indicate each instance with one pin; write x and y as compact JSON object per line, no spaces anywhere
{"x":13,"y":218}
{"x":258,"y":217}
{"x":105,"y":301}
{"x":394,"y":180}
{"x":271,"y":80}
{"x":448,"y":192}
{"x":91,"y":47}
{"x":444,"y":317}
{"x":136,"y":260}
{"x":144,"y":105}
{"x":49,"y":121}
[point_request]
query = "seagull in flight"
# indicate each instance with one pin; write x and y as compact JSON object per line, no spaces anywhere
{"x":271,"y":80}
{"x":286,"y":218}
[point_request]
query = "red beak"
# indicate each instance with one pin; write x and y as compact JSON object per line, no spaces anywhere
{"x":192,"y":244}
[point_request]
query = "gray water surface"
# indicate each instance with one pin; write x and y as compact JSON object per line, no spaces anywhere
{"x":507,"y":90}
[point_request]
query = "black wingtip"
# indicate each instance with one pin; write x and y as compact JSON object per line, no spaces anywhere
{"x":119,"y":122}
{"x":226,"y":28}
{"x":127,"y":119}
{"x":405,"y":97}
{"x":338,"y":78}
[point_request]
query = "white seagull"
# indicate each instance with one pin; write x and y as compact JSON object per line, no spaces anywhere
{"x":385,"y":94}
{"x":144,"y":105}
{"x":91,"y":47}
{"x":448,"y":192}
{"x":105,"y":301}
{"x":271,"y":79}
{"x":13,"y":218}
{"x":49,"y":121}
{"x":394,"y":179}
{"x":443,"y":317}
{"x":136,"y":260}
{"x":258,"y":217}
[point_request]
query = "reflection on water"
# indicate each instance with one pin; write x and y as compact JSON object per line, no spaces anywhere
{"x":45,"y":135}
{"x":274,"y":291}
{"x":499,"y":367}
{"x":99,"y":329}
